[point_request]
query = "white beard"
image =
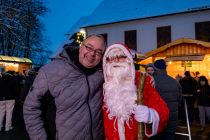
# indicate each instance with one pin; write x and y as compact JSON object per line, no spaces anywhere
{"x":118,"y":72}
{"x":119,"y":91}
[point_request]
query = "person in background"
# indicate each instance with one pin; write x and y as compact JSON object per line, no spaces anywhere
{"x":178,"y":77}
{"x":150,"y":69}
{"x":197,"y":75}
{"x":189,"y":85}
{"x":8,"y":88}
{"x":203,"y":96}
{"x":29,"y":78}
{"x":74,"y":78}
{"x":196,"y":109}
{"x":19,"y":79}
{"x":170,"y":90}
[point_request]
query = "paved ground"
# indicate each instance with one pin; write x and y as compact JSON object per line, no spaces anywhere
{"x":196,"y":133}
{"x":19,"y":132}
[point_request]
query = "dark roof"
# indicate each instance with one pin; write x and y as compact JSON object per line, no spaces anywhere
{"x":112,"y":11}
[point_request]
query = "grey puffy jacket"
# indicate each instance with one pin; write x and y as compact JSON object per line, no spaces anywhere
{"x":78,"y":100}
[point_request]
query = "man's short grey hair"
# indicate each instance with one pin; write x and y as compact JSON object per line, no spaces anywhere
{"x":99,"y":36}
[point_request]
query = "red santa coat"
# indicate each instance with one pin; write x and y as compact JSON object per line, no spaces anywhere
{"x":151,"y":99}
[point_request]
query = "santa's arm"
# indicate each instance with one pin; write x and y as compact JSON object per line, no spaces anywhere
{"x":159,"y":111}
{"x":148,"y":116}
{"x":153,"y":124}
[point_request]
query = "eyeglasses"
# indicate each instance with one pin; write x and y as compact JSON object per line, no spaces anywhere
{"x":116,"y":59}
{"x":90,"y":49}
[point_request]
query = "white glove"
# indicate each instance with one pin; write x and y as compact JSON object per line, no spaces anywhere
{"x":142,"y":114}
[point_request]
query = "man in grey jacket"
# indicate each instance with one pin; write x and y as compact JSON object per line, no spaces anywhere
{"x":74,"y":78}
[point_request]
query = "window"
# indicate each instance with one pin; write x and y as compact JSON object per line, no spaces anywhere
{"x":163,"y":35}
{"x":202,"y":31}
{"x":130,"y":39}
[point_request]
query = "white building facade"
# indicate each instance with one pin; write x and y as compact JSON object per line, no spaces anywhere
{"x":181,"y":25}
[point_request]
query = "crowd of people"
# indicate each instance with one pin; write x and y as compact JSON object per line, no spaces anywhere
{"x":198,"y":90}
{"x":94,"y":92}
{"x":14,"y":88}
{"x":195,"y":89}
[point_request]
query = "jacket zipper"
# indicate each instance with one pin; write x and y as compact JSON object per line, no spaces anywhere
{"x":91,"y":130}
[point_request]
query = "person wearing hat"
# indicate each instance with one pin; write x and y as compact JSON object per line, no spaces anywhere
{"x":150,"y":69}
{"x":170,"y":90}
{"x":121,"y":111}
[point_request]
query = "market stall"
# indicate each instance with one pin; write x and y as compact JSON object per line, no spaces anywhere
{"x":183,"y":55}
{"x":16,"y":64}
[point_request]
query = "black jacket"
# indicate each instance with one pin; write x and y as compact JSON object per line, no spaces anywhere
{"x":189,"y":85}
{"x":170,"y":90}
{"x":203,"y":96}
{"x":26,"y":86}
{"x":8,"y":87}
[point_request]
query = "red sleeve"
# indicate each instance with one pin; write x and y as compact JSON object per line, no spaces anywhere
{"x":152,"y":99}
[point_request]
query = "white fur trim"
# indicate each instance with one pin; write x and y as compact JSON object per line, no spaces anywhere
{"x":127,"y":53}
{"x":155,"y":122}
{"x":121,"y":129}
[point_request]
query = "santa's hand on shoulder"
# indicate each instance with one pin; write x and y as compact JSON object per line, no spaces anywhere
{"x":142,"y":114}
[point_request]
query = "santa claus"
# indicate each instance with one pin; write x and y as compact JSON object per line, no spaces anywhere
{"x":121,"y":112}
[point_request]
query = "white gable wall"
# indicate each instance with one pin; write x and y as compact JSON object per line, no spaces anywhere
{"x":182,"y":25}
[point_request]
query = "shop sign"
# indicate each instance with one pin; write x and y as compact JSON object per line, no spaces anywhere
{"x":186,"y":63}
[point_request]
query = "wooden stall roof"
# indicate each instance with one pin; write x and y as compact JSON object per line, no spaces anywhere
{"x":14,"y":59}
{"x":181,"y":47}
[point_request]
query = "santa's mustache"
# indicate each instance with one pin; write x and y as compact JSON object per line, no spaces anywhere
{"x":119,"y":71}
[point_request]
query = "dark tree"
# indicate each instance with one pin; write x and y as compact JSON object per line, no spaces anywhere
{"x":21,"y":30}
